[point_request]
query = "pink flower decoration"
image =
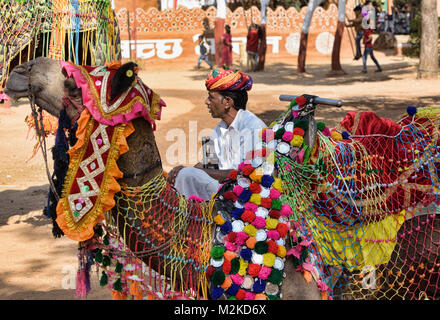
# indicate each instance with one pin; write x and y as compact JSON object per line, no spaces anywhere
{"x":264,"y":273}
{"x":273,"y":234}
{"x":274,"y":194}
{"x":259,"y":222}
{"x":326,"y":132}
{"x":251,"y":207}
{"x":286,"y":210}
{"x":287,"y":136}
{"x":241,"y":238}
{"x":196,"y":198}
{"x":249,"y":296}
{"x":238,"y":190}
{"x":268,"y":135}
{"x":237,"y":279}
{"x":231,"y":247}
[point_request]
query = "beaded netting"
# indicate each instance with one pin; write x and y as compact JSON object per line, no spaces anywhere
{"x":81,"y":31}
{"x":366,"y":201}
{"x":155,"y":244}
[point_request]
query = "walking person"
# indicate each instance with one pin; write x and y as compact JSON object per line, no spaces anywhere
{"x":368,"y":50}
{"x":203,"y":53}
{"x":226,"y":61}
{"x":252,"y":47}
{"x":357,"y":24}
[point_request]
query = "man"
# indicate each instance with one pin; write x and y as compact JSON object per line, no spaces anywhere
{"x":203,"y":53}
{"x":368,"y":43}
{"x":357,"y":24}
{"x":233,"y":137}
{"x":252,"y":46}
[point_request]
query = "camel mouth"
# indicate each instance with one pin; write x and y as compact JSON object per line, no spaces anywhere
{"x":17,"y":86}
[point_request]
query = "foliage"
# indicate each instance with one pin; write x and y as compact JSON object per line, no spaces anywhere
{"x":415,"y":36}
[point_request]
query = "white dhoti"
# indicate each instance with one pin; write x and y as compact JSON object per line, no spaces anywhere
{"x":191,"y":181}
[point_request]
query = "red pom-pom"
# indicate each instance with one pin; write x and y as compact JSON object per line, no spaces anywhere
{"x":240,"y":294}
{"x":266,"y":203}
{"x":226,"y":266}
{"x":282,"y":229}
{"x":254,"y":269}
{"x":275,"y":214}
{"x":247,"y":169}
{"x":232,"y":236}
{"x":255,"y":187}
{"x":233,"y":174}
{"x":298,"y":132}
{"x":209,"y":272}
{"x":300,"y":100}
{"x":229,"y":195}
{"x":272,"y":247}
{"x":248,"y":216}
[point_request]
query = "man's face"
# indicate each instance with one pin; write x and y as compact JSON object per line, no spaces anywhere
{"x":217,"y":104}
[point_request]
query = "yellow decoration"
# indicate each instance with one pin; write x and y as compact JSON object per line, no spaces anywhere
{"x":218,"y":219}
{"x":256,"y":175}
{"x":297,"y":141}
{"x":271,"y":158}
{"x":281,"y":251}
{"x":255,"y":198}
{"x":277,"y":184}
{"x":243,"y":267}
{"x":268,"y":259}
{"x":250,"y":230}
{"x":336,"y":135}
{"x":271,"y":224}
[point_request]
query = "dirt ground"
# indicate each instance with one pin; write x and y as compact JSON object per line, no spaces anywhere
{"x":37,"y":266}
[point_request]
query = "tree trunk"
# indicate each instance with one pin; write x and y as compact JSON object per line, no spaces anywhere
{"x":336,"y":51}
{"x":301,"y":68}
{"x":219,"y":29}
{"x":263,"y":44}
{"x":428,"y":64}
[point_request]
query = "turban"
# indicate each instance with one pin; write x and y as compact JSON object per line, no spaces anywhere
{"x":231,"y":80}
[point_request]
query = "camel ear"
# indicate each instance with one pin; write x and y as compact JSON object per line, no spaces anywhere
{"x":123,"y":79}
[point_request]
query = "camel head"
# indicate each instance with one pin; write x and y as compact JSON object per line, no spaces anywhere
{"x":44,"y":77}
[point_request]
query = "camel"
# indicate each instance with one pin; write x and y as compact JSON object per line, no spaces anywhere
{"x":414,"y":255}
{"x":48,"y":83}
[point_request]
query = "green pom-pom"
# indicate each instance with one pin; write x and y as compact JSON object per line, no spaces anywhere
{"x":117,"y":285}
{"x":118,"y":268}
{"x":98,"y":256}
{"x":292,"y":103}
{"x":217,"y":252}
{"x":320,"y":125}
{"x":104,"y":279}
{"x":277,"y":204}
{"x":235,"y":265}
{"x":301,"y":124}
{"x":275,"y":277}
{"x":106,"y":261}
{"x":232,"y":298}
{"x":272,"y":297}
{"x":218,"y":277}
{"x":279,"y":133}
{"x":261,"y":247}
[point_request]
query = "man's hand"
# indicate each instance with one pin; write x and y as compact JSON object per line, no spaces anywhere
{"x":171,"y":179}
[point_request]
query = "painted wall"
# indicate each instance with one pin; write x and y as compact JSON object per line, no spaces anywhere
{"x":170,"y":36}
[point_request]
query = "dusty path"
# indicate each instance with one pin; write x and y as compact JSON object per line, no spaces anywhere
{"x":36,"y":266}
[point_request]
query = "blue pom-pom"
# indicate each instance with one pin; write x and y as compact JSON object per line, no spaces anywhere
{"x":259,"y":286}
{"x":245,"y":195}
{"x":411,"y":110}
{"x":237,"y":212}
{"x":216,"y":292}
{"x":266,"y":181}
{"x":246,"y":254}
{"x":226,"y":227}
{"x":233,"y":289}
{"x":345,"y":135}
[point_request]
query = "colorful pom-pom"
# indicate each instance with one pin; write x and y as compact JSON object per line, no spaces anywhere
{"x":259,"y":286}
{"x":320,"y":125}
{"x":229,"y":195}
{"x":271,"y":224}
{"x":301,"y":124}
{"x":248,"y":216}
{"x":301,"y":100}
{"x":264,"y":273}
{"x":274,"y":194}
{"x":250,"y":230}
{"x":245,"y":195}
{"x":226,"y":267}
{"x":259,"y":222}
{"x":273,"y":234}
{"x":345,"y":135}
{"x":237,"y":212}
{"x":247,"y":169}
{"x":241,"y":294}
{"x":254,"y":269}
{"x":277,"y":204}
{"x":274,"y":214}
{"x":217,"y":252}
{"x":235,"y":265}
{"x":336,"y":135}
{"x":286,"y":210}
{"x":268,"y":259}
{"x":282,"y":229}
{"x":241,"y":238}
{"x":287,"y":136}
{"x":251,"y":206}
{"x":246,"y":254}
{"x":232,"y":290}
{"x":226,"y":227}
{"x":255,"y":187}
{"x":298,"y":132}
{"x":255,"y":198}
{"x":261,"y":247}
{"x":216,"y":292}
{"x":243,"y":267}
{"x":281,"y":251}
{"x":226,"y":284}
{"x":411,"y":110}
{"x":256,"y":175}
{"x":219,"y":220}
{"x":297,"y":141}
{"x":266,"y":203}
{"x":279,"y":133}
{"x":250,"y":242}
{"x":275,"y":277}
{"x":237,"y":190}
{"x":218,"y":277}
{"x":233,"y":174}
{"x":272,"y":247}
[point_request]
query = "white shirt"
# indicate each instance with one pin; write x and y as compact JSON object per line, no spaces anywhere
{"x":232,"y":143}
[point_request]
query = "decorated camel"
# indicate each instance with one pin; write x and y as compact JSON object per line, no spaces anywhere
{"x":312,"y":213}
